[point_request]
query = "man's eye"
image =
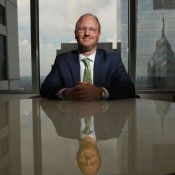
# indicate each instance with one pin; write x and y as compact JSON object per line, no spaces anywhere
{"x":83,"y":29}
{"x":92,"y":29}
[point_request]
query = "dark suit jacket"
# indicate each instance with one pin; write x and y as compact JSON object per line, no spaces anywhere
{"x":109,"y":72}
{"x":107,"y":124}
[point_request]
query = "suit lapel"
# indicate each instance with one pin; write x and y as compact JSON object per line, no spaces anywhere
{"x":75,"y":67}
{"x":98,"y":68}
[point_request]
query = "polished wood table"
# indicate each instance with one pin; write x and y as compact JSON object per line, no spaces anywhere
{"x":44,"y":137}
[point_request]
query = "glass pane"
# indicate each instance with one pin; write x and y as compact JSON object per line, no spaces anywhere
{"x":155,"y":68}
{"x":57,"y":23}
{"x":24,"y":44}
{"x":122,"y":29}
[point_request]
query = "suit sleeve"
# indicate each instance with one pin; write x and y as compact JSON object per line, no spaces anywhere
{"x":121,"y":85}
{"x":52,"y":84}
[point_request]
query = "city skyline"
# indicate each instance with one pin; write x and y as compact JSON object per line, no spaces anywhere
{"x":57,"y":26}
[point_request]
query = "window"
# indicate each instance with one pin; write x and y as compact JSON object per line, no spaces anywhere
{"x":155,"y":53}
{"x":154,"y":29}
{"x":122,"y":29}
{"x":24,"y":42}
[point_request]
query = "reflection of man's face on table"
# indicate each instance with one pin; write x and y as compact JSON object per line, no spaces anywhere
{"x":88,"y":157}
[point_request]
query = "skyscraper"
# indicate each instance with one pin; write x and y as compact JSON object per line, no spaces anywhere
{"x":148,"y":31}
{"x":161,"y":66}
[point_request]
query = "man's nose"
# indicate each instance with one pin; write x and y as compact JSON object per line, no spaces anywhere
{"x":88,"y":157}
{"x":88,"y":161}
{"x":86,"y":32}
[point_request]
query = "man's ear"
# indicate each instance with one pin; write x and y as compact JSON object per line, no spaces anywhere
{"x":75,"y":33}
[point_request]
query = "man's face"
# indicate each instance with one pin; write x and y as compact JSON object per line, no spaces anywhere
{"x":88,"y":159}
{"x":87,"y":33}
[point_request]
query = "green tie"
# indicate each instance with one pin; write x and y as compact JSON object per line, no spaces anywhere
{"x":87,"y":70}
{"x":88,"y":123}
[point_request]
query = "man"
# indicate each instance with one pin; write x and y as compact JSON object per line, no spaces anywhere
{"x":108,"y":77}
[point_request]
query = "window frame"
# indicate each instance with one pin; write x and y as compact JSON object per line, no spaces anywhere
{"x":35,"y":50}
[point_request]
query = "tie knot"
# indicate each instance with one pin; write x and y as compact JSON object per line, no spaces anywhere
{"x":86,"y":61}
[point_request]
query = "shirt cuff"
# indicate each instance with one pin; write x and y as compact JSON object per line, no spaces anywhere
{"x":107,"y":95}
{"x":59,"y":94}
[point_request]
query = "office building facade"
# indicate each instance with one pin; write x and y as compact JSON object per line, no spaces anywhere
{"x":161,"y":66}
{"x":9,"y":52}
{"x":66,"y":47}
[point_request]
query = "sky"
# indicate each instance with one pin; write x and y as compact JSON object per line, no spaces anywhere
{"x":57,"y":21}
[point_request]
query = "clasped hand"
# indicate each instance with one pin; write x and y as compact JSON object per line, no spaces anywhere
{"x":85,"y":92}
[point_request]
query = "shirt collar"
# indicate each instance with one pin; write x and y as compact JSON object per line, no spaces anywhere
{"x":91,"y":57}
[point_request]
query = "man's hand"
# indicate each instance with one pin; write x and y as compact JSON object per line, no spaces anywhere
{"x":85,"y":92}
